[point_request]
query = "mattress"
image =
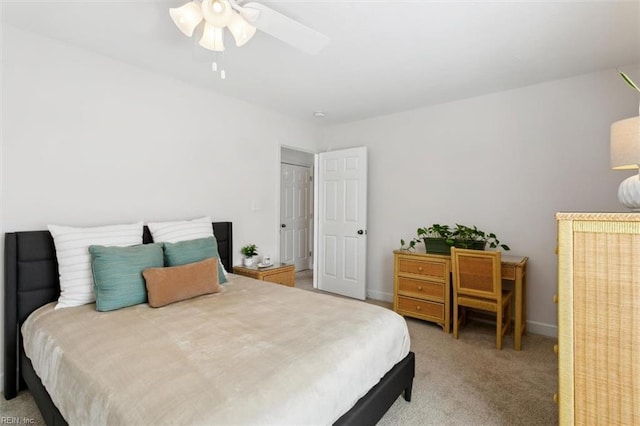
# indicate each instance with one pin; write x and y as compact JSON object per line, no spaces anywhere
{"x":256,"y":353}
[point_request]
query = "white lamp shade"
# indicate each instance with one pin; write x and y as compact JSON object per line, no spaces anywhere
{"x":625,"y":144}
{"x":242,"y":31}
{"x":187,"y":17}
{"x":212,"y":38}
{"x":217,"y":12}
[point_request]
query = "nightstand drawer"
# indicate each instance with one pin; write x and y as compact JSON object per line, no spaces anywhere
{"x":420,"y":288}
{"x":421,"y":308}
{"x":422,"y":267}
{"x":285,"y":278}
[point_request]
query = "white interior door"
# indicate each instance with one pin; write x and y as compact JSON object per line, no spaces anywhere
{"x":295,"y":215}
{"x":342,"y":222}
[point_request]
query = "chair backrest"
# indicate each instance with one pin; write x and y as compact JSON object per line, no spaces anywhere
{"x":477,"y":273}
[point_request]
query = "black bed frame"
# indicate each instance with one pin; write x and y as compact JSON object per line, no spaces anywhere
{"x":31,"y":280}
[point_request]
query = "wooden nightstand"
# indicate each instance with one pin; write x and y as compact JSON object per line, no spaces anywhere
{"x":280,"y":273}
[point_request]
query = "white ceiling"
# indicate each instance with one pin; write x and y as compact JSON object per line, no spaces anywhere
{"x":384,"y":56}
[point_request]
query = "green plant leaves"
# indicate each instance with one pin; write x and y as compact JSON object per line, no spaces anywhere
{"x":249,"y":250}
{"x":628,"y":80}
{"x":412,"y":245}
{"x":461,"y":236}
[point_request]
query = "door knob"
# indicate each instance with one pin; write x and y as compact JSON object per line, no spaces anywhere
{"x":283,"y":226}
{"x":360,"y":232}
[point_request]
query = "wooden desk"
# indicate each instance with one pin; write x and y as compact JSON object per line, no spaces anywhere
{"x":514,"y":268}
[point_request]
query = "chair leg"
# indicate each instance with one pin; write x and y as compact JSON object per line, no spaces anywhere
{"x":509,"y":312}
{"x":456,"y":322}
{"x":499,"y":327}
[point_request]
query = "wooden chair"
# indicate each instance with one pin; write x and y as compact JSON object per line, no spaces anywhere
{"x":477,"y":277}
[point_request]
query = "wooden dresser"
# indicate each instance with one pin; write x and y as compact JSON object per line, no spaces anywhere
{"x":280,"y":274}
{"x":599,"y":318}
{"x":422,"y":287}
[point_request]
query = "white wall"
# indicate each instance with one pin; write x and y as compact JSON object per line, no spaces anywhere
{"x":88,"y":141}
{"x":506,"y":162}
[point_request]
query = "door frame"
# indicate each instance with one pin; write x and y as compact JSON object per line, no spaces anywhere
{"x":314,"y":224}
{"x":316,"y":208}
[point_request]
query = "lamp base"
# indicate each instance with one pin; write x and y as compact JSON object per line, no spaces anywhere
{"x":629,"y":192}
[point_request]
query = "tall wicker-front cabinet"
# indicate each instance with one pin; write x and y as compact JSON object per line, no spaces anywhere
{"x":599,"y":318}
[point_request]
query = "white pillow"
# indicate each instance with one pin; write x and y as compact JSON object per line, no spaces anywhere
{"x":182,"y":230}
{"x":74,"y":261}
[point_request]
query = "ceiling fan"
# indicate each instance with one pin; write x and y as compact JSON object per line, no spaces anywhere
{"x":242,"y":20}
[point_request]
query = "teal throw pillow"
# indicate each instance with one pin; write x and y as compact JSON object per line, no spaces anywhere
{"x":183,"y":252}
{"x":117,"y":274}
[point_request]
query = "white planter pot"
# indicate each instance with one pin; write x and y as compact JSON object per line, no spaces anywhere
{"x":247,"y":261}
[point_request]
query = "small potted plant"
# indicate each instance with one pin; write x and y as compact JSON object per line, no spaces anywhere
{"x":249,"y":251}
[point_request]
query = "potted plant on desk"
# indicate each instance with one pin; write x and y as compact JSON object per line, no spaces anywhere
{"x":440,"y":238}
{"x":249,"y":251}
{"x":473,"y":238}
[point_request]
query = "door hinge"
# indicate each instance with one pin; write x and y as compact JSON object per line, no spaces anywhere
{"x":310,"y":253}
{"x":310,"y":178}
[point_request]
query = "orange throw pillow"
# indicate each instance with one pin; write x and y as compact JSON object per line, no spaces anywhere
{"x":175,"y":283}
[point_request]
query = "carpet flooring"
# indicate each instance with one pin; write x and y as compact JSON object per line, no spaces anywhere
{"x":458,"y":382}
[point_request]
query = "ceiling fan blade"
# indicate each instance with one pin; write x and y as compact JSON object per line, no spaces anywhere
{"x":287,"y":30}
{"x":250,"y":15}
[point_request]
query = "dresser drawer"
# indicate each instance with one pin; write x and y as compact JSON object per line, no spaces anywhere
{"x":421,"y":288}
{"x":421,"y":267}
{"x":421,"y":308}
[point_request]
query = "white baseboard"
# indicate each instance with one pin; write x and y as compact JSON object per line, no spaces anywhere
{"x":380,"y":295}
{"x":542,"y":329}
{"x":532,"y":326}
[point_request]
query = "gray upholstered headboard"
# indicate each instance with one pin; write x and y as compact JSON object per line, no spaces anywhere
{"x":31,"y":280}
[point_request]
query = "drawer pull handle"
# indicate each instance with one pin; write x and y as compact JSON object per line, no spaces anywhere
{"x":420,"y":268}
{"x":555,"y":398}
{"x":555,"y":349}
{"x":419,"y":288}
{"x":555,"y":298}
{"x":418,"y":307}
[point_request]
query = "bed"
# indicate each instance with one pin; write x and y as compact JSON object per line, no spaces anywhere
{"x":31,"y":283}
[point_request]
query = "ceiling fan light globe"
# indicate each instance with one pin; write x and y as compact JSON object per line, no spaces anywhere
{"x":186,"y":17}
{"x":217,"y":12}
{"x":241,"y":30}
{"x":212,"y":38}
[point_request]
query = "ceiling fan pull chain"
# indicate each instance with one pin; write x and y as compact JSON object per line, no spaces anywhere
{"x":223,"y":73}
{"x":214,"y":66}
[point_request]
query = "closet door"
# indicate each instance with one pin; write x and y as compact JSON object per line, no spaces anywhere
{"x":296,"y":215}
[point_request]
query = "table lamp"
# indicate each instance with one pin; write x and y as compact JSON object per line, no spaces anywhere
{"x":625,"y":155}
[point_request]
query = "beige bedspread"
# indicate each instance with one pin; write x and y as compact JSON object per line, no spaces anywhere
{"x":257,"y":353}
